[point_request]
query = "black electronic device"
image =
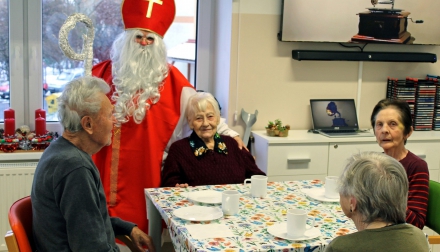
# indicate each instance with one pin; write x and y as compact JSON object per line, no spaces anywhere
{"x":364,"y":56}
{"x":335,"y":118}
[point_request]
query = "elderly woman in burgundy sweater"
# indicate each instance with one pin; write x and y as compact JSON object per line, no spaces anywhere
{"x":205,"y":157}
{"x":392,"y":124}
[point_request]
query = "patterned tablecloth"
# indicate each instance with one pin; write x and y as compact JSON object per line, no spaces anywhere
{"x":255,"y":215}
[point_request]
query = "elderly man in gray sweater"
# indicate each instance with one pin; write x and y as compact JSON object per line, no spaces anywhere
{"x":68,"y":201}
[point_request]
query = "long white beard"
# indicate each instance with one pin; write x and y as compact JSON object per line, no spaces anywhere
{"x":138,"y":74}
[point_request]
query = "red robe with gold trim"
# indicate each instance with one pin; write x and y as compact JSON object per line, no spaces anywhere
{"x":137,"y":149}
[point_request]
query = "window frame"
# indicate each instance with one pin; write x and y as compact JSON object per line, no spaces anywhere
{"x":35,"y":65}
{"x":26,"y":64}
{"x":17,"y":55}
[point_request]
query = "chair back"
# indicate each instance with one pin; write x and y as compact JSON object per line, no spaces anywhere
{"x":20,"y":219}
{"x":433,"y":215}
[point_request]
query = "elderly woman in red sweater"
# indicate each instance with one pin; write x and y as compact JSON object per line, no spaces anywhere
{"x":392,"y":124}
{"x":205,"y":157}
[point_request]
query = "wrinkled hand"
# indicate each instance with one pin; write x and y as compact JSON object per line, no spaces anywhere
{"x":240,"y":143}
{"x":141,"y":239}
{"x":182,"y":185}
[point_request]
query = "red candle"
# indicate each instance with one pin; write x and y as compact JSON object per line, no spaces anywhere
{"x":9,"y":113}
{"x":40,"y":126}
{"x":40,"y":113}
{"x":9,"y":127}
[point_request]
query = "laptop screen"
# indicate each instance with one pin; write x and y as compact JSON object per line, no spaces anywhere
{"x":334,"y":114}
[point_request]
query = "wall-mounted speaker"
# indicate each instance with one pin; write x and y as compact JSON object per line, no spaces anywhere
{"x":364,"y":56}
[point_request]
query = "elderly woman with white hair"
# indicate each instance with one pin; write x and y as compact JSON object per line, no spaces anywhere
{"x":205,"y":157}
{"x":373,"y":192}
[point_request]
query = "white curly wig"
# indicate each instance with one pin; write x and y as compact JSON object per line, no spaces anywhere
{"x":138,"y":74}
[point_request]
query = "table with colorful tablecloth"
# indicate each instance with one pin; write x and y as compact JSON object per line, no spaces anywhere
{"x":250,"y":225}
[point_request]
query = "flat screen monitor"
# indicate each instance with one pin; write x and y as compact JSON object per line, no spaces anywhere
{"x":358,"y":21}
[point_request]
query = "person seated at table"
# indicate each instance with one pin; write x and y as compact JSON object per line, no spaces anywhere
{"x":373,"y":191}
{"x":69,"y":210}
{"x":392,"y":124}
{"x":205,"y":157}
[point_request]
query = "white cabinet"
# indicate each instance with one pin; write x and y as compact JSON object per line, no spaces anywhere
{"x":297,"y":161}
{"x":304,"y":155}
{"x":292,"y":158}
{"x":340,"y":152}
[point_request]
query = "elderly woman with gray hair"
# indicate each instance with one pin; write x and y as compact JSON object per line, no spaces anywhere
{"x":373,"y":192}
{"x":205,"y":157}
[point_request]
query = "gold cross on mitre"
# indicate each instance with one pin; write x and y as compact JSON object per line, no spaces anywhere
{"x":150,"y":6}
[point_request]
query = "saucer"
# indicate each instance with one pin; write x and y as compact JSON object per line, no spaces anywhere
{"x":206,"y":196}
{"x":319,"y":194}
{"x":280,"y":230}
{"x":198,"y":213}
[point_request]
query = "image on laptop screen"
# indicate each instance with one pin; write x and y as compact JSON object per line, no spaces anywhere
{"x":335,"y":114}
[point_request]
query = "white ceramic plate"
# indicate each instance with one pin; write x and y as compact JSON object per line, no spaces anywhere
{"x":206,"y":196}
{"x":198,"y":213}
{"x":280,"y":230}
{"x":319,"y":194}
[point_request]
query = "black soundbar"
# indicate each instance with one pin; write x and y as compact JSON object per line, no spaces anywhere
{"x":364,"y":56}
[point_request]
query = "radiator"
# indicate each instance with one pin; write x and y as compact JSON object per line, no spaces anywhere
{"x":15,"y":183}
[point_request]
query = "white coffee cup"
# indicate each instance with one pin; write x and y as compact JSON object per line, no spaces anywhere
{"x":230,"y":200}
{"x":296,"y":222}
{"x":258,"y":185}
{"x":331,"y":187}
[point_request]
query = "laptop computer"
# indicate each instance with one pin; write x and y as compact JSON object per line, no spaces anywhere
{"x":335,"y":118}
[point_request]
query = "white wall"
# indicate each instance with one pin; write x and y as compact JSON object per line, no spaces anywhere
{"x":264,"y":76}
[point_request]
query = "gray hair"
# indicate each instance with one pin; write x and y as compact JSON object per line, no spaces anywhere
{"x":198,"y":102}
{"x":80,"y":98}
{"x":379,"y":184}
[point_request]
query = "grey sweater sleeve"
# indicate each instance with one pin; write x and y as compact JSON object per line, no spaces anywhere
{"x":121,"y":227}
